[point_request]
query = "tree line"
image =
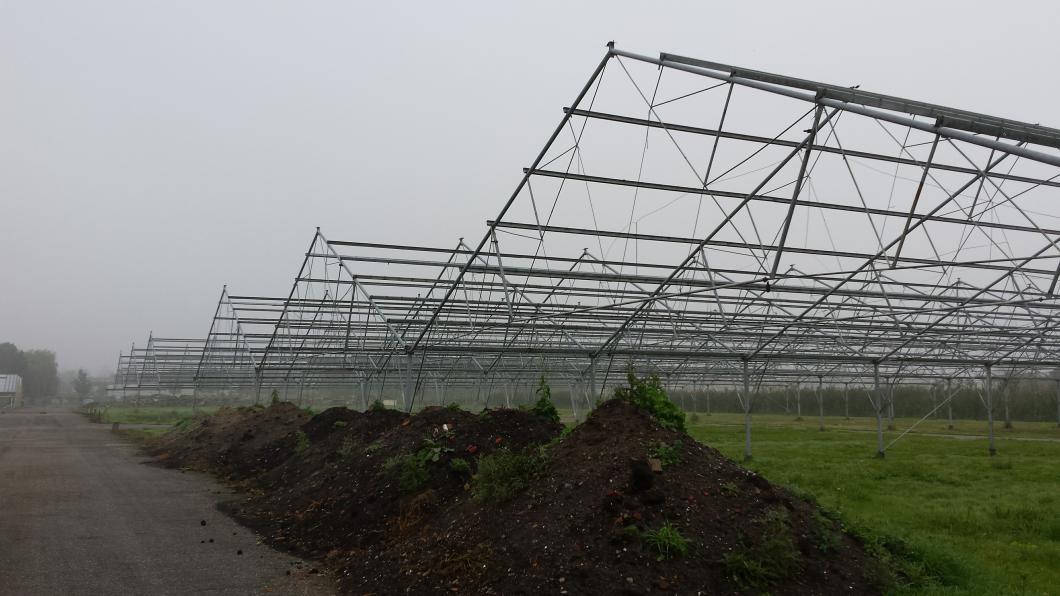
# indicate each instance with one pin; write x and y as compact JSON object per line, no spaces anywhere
{"x":38,"y":368}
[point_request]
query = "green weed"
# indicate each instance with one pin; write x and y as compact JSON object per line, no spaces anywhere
{"x":301,"y":442}
{"x":667,"y":454}
{"x":460,"y":465}
{"x":667,"y":542}
{"x":647,"y":394}
{"x":504,"y":474}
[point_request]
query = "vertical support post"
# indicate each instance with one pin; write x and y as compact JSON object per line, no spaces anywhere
{"x":1005,"y":391}
{"x":406,"y":390}
{"x":949,"y":404}
{"x":890,"y":406}
{"x":934,"y":400}
{"x":592,"y":380}
{"x":746,"y":412}
{"x":573,"y":407}
{"x":846,"y":401}
{"x":364,"y":394}
{"x":257,"y":386}
{"x":878,"y":406}
{"x":990,"y":410}
{"x":820,"y":405}
{"x":301,"y":388}
{"x":798,"y":401}
{"x":709,"y":413}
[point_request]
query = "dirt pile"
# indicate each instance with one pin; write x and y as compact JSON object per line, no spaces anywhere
{"x":235,"y":443}
{"x":344,"y":478}
{"x":599,"y":520}
{"x":398,"y":504}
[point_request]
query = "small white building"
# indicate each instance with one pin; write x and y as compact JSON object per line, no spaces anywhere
{"x":10,"y":391}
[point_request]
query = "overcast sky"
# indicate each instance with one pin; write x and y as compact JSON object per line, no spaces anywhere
{"x":152,"y":151}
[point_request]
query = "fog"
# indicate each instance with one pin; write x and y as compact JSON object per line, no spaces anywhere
{"x":152,"y":151}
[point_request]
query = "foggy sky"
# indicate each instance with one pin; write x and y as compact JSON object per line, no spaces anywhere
{"x":152,"y":151}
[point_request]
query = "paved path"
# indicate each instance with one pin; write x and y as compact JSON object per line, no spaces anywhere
{"x":81,"y":513}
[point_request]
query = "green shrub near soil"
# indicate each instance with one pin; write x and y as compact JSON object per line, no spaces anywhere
{"x":648,"y":394}
{"x":544,"y":407}
{"x":667,"y":542}
{"x":503,"y":474}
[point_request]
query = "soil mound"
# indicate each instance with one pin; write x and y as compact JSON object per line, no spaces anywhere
{"x":353,"y":479}
{"x":235,"y":443}
{"x":620,"y":505}
{"x":599,"y":520}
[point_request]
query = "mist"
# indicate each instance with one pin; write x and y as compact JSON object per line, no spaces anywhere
{"x":151,"y":152}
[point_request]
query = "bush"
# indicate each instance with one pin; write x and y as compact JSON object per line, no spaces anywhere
{"x":301,"y":442}
{"x":667,"y":542}
{"x":377,"y":406}
{"x":647,"y":394}
{"x":460,"y":465}
{"x":454,"y":407}
{"x":502,"y":475}
{"x":411,"y":468}
{"x":667,"y":454}
{"x":544,"y":407}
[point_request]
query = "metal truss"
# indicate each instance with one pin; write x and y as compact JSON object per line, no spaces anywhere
{"x":712,"y":224}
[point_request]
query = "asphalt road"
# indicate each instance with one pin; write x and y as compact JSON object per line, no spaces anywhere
{"x":82,"y":513}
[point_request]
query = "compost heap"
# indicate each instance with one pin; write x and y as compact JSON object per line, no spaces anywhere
{"x":620,"y":505}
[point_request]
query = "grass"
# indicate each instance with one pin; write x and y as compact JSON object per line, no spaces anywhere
{"x":151,"y":415}
{"x":667,"y":542}
{"x":978,"y":525}
{"x":504,"y":474}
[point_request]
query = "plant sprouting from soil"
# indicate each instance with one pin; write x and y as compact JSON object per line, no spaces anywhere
{"x":346,"y":449}
{"x":460,"y":465}
{"x":503,"y":474}
{"x":756,"y":566}
{"x":377,"y":406}
{"x":647,"y":394}
{"x":667,"y":542}
{"x":301,"y":442}
{"x":411,"y":468}
{"x":543,"y":406}
{"x":275,"y":399}
{"x":454,"y":407}
{"x":667,"y":454}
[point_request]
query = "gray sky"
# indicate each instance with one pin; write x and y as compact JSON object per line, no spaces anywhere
{"x":152,"y":151}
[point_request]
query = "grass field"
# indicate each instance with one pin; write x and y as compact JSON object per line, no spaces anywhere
{"x":151,"y":415}
{"x":983,"y":525}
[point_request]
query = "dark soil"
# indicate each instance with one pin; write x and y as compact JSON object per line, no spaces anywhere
{"x":235,"y":443}
{"x":583,"y":527}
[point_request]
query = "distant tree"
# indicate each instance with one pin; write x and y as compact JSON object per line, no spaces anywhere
{"x":12,"y":360}
{"x":83,"y":385}
{"x":41,"y":378}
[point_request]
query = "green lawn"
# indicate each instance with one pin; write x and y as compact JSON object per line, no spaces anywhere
{"x":151,"y":415}
{"x":987,"y":525}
